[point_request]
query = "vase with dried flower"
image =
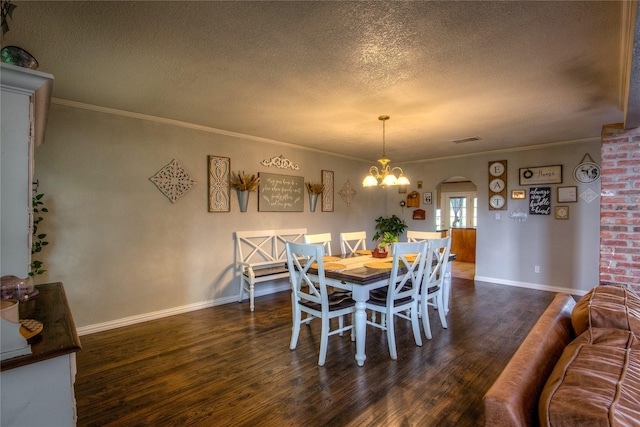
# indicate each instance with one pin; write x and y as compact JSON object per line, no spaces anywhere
{"x":314,"y":189}
{"x":244,"y":184}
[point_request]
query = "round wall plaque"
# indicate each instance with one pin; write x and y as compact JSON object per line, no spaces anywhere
{"x":587,"y":172}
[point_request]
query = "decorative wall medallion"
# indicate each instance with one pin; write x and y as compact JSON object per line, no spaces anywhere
{"x":587,"y":171}
{"x":219,"y":174}
{"x":173,"y":181}
{"x":327,"y":194}
{"x":588,"y":195}
{"x":347,"y":193}
{"x":280,"y":162}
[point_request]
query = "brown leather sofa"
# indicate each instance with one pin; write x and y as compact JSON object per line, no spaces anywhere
{"x":579,"y":365}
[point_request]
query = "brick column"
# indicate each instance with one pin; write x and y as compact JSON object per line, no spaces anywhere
{"x":620,"y":206}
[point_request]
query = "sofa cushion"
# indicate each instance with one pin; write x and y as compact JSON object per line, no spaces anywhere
{"x":595,"y":382}
{"x":607,"y":306}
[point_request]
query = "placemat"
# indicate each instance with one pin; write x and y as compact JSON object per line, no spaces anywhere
{"x":331,"y":258}
{"x":411,"y":257}
{"x":330,"y":266}
{"x":378,"y":264}
{"x":364,"y":252}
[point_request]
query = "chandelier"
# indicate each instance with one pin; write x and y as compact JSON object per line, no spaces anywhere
{"x":385,"y":175}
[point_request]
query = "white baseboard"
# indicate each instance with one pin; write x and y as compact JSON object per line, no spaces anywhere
{"x":132,"y":320}
{"x":536,"y":286}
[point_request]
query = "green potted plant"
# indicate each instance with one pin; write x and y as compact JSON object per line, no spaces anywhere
{"x":6,"y":12}
{"x":38,"y":241}
{"x":388,"y":229}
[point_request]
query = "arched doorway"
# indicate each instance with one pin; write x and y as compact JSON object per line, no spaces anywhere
{"x":457,"y":212}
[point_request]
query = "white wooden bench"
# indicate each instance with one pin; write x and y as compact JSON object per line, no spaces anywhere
{"x":262,"y":256}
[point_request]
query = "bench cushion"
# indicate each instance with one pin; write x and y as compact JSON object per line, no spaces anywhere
{"x":607,"y":306}
{"x":595,"y":382}
{"x":268,"y":271}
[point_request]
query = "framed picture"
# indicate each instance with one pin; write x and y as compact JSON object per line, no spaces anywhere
{"x":540,"y":201}
{"x":327,"y":194}
{"x":567,"y":194}
{"x":562,"y":212}
{"x":402,"y":189}
{"x":219,"y":171}
{"x":541,"y":175}
{"x":519,"y":194}
{"x":426,"y":198}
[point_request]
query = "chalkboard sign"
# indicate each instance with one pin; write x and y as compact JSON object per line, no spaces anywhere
{"x":281,"y":193}
{"x":540,"y":201}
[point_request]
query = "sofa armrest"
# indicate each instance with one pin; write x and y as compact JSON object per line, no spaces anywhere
{"x":513,"y":399}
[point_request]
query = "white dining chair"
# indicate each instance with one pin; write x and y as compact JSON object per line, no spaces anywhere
{"x":353,"y":241}
{"x":416,"y":236}
{"x":432,"y":289}
{"x":324,"y":238}
{"x":311,"y":296}
{"x":400,"y":297}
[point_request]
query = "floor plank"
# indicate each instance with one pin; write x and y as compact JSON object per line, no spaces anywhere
{"x":226,"y":366}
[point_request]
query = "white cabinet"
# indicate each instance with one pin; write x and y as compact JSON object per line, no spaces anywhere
{"x":37,"y":389}
{"x":24,"y":106}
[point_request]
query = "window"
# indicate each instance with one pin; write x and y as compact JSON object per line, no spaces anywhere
{"x":461,"y":210}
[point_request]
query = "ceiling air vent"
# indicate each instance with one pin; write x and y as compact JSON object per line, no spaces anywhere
{"x":462,"y":141}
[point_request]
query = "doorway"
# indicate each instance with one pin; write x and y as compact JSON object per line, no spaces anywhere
{"x":458,"y":213}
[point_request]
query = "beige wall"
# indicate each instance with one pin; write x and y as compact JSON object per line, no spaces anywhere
{"x":125,"y":253}
{"x":508,"y":251}
{"x":122,"y":249}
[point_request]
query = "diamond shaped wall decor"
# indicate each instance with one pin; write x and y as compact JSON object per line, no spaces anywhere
{"x":347,"y":193}
{"x":172,"y":181}
{"x":588,"y":195}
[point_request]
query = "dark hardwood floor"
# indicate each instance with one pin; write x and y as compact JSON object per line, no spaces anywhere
{"x":226,"y":366}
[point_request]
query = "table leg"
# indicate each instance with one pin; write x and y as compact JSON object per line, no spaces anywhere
{"x":446,"y":292}
{"x":360,"y":296}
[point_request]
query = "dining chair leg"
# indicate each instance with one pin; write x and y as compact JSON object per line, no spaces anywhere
{"x":415,"y":324}
{"x":296,"y":329}
{"x":441,"y":310}
{"x":391,"y":338}
{"x":424,"y":311}
{"x":324,"y":341}
{"x":353,"y":327}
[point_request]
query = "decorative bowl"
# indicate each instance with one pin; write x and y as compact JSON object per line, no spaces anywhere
{"x":17,"y":56}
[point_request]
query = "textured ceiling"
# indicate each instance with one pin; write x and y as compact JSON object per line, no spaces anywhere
{"x":318,"y":74}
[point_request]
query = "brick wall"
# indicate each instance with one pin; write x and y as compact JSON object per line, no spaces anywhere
{"x":620,"y":206}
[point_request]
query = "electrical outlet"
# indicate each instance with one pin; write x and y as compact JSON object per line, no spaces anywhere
{"x":536,"y":269}
{"x":497,"y":216}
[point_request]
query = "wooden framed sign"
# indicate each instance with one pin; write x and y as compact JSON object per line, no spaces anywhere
{"x":327,"y":194}
{"x":280,"y":193}
{"x":541,"y":175}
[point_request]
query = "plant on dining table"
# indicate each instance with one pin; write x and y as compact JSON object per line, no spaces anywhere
{"x":388,"y":229}
{"x":393,"y":225}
